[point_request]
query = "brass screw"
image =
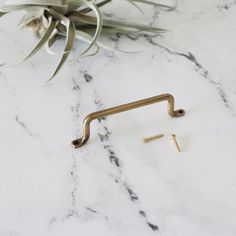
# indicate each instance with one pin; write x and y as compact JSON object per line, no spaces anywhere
{"x":146,"y":140}
{"x":173,"y":137}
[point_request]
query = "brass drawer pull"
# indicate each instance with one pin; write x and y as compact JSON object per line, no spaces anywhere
{"x":125,"y":107}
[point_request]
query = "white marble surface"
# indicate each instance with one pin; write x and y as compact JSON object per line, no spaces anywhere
{"x":115,"y":185}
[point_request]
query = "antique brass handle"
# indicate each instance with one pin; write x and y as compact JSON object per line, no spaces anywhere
{"x":125,"y":107}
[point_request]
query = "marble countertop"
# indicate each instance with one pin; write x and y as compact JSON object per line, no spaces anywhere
{"x":116,"y":185}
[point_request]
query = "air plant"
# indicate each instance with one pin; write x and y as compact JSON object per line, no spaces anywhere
{"x":73,"y":19}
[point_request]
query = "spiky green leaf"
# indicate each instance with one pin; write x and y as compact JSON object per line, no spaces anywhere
{"x":44,"y":39}
{"x":68,"y":46}
{"x":31,"y":15}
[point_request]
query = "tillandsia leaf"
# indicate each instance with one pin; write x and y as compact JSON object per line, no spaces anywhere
{"x":85,"y":37}
{"x":12,"y":8}
{"x":100,"y":4}
{"x":70,"y":28}
{"x":44,"y":39}
{"x":73,"y":5}
{"x":35,"y":2}
{"x":99,"y":23}
{"x":111,"y":30}
{"x":74,"y":19}
{"x":51,"y":41}
{"x":82,"y":36}
{"x":114,"y":23}
{"x":2,"y":13}
{"x":16,"y":5}
{"x":135,"y":5}
{"x":31,"y":15}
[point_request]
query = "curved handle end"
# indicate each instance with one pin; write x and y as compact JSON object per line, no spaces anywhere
{"x":77,"y":143}
{"x":179,"y":113}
